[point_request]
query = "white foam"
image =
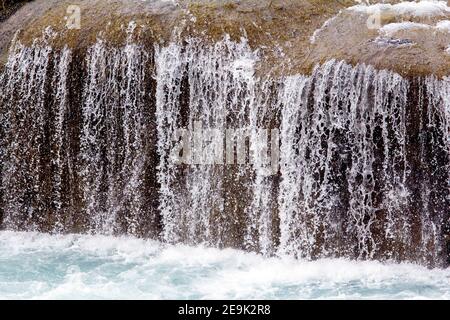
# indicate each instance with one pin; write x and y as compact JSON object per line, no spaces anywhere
{"x":392,"y":28}
{"x":443,"y":25}
{"x":40,"y":266}
{"x":426,"y":8}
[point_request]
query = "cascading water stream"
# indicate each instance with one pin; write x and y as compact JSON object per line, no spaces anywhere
{"x":23,"y":137}
{"x":180,"y":142}
{"x":212,"y":97}
{"x":114,"y":138}
{"x":343,"y":143}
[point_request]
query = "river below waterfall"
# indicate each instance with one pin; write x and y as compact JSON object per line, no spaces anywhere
{"x":42,"y":266}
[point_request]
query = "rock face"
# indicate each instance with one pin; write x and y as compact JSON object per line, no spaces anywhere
{"x":340,"y":158}
{"x":294,"y":35}
{"x":409,"y":38}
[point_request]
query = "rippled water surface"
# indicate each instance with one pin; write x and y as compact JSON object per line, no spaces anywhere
{"x":40,"y":266}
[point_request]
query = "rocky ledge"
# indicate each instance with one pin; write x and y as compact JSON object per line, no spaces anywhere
{"x":410,"y":38}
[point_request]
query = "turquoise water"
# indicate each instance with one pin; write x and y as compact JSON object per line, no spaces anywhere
{"x":40,"y":266}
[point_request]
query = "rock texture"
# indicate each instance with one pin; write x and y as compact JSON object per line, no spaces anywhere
{"x":293,"y":35}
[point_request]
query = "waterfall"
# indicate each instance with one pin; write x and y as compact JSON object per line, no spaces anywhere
{"x":210,"y":94}
{"x":344,"y":142}
{"x":24,"y":144}
{"x":60,"y":137}
{"x":114,"y":140}
{"x":185,"y":142}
